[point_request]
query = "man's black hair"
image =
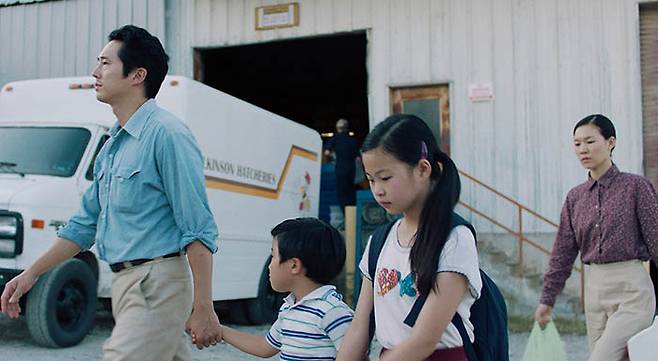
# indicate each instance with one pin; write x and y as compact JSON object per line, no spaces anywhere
{"x":140,"y":49}
{"x":318,"y":245}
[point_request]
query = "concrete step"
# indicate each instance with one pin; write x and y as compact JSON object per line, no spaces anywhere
{"x":522,"y":288}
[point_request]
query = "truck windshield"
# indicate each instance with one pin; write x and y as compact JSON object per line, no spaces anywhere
{"x":42,"y":150}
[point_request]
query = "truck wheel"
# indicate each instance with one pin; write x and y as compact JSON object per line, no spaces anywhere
{"x":237,"y":313}
{"x":61,"y":307}
{"x":264,"y":308}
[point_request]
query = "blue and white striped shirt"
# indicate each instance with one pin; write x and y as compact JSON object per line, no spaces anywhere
{"x":313,"y":328}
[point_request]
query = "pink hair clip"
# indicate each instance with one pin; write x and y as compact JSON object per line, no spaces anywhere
{"x":423,"y":150}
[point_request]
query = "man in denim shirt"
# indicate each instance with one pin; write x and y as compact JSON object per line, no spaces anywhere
{"x":146,"y":207}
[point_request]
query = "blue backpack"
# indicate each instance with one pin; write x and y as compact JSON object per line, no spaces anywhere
{"x":488,"y":313}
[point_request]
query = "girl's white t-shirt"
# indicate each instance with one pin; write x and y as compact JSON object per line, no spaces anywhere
{"x":395,"y":290}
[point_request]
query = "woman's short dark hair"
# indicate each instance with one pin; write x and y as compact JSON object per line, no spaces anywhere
{"x":600,"y":121}
{"x":140,"y":49}
{"x":317,"y":244}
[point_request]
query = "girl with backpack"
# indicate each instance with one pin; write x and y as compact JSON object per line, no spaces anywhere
{"x":612,"y":220}
{"x":423,"y":255}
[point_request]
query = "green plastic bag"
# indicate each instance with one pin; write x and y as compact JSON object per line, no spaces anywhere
{"x":545,"y":345}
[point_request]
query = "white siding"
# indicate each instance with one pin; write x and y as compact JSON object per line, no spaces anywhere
{"x":551,"y":63}
{"x":63,"y":38}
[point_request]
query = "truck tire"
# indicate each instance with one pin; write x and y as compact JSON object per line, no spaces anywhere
{"x":61,"y":307}
{"x":265,"y":307}
{"x":237,"y":313}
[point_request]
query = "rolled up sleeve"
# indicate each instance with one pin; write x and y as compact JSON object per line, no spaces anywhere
{"x":181,"y":167}
{"x":81,"y":228}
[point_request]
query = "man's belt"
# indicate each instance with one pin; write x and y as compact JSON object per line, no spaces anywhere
{"x":119,"y":266}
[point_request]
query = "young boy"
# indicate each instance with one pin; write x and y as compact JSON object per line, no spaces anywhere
{"x":306,"y":255}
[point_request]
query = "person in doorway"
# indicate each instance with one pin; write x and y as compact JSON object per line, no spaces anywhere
{"x":421,"y":255}
{"x":306,"y":255}
{"x":346,"y":151}
{"x":146,"y":208}
{"x":612,"y":220}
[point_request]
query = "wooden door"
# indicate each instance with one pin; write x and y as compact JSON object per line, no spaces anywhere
{"x":431,"y":103}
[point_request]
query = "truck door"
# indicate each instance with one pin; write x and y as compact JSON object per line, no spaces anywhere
{"x":85,"y":181}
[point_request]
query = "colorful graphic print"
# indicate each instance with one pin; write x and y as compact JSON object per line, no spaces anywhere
{"x":388,"y":279}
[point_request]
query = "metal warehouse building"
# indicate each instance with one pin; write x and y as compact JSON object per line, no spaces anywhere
{"x":502,"y":82}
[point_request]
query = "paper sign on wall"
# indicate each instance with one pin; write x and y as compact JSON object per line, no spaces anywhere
{"x":277,"y":16}
{"x":480,"y":92}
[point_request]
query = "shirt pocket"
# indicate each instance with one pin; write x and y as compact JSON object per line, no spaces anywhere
{"x":126,"y":190}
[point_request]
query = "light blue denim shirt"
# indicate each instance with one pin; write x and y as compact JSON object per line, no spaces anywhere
{"x":148,"y":196}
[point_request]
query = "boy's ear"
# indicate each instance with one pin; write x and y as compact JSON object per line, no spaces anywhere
{"x":297,"y":267}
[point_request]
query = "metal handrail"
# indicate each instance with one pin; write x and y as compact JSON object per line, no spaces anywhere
{"x":519,"y":234}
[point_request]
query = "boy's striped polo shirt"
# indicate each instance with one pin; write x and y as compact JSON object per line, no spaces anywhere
{"x":313,"y":328}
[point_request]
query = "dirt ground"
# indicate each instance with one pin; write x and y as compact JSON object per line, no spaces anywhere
{"x":17,"y":345}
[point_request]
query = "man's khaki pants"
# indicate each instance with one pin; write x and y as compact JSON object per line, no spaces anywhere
{"x":619,"y":302}
{"x":150,"y":304}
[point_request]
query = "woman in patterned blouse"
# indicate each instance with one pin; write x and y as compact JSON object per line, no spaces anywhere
{"x":612,"y":220}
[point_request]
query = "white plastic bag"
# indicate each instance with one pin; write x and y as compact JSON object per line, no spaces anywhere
{"x":545,"y":345}
{"x":641,"y":346}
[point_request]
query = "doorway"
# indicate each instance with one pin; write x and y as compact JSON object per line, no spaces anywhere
{"x":313,"y":81}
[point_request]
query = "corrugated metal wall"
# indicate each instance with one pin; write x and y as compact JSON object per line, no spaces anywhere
{"x":551,"y":62}
{"x":63,"y":38}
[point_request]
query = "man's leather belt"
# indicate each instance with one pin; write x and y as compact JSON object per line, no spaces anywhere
{"x":119,"y":266}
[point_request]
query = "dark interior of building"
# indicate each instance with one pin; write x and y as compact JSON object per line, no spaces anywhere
{"x":314,"y":81}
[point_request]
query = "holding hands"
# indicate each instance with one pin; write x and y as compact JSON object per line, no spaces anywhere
{"x":204,"y":327}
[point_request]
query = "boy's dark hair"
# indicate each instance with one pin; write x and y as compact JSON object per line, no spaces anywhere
{"x":318,"y":245}
{"x":140,"y":49}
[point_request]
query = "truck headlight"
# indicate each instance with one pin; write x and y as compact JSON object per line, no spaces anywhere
{"x":8,"y":227}
{"x":11,"y":234}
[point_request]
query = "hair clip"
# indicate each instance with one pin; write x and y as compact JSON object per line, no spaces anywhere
{"x":423,"y":150}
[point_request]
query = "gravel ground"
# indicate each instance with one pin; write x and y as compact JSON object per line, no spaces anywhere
{"x":17,"y":345}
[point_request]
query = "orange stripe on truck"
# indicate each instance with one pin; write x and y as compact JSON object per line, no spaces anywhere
{"x":258,"y":191}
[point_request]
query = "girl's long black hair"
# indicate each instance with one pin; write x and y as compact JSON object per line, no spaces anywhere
{"x":409,"y":139}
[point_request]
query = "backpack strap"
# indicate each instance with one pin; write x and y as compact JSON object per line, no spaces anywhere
{"x":468,"y":345}
{"x":376,"y":245}
{"x":412,"y":316}
{"x":410,"y":320}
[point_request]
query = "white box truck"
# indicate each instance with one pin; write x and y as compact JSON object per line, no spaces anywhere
{"x":260,"y":168}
